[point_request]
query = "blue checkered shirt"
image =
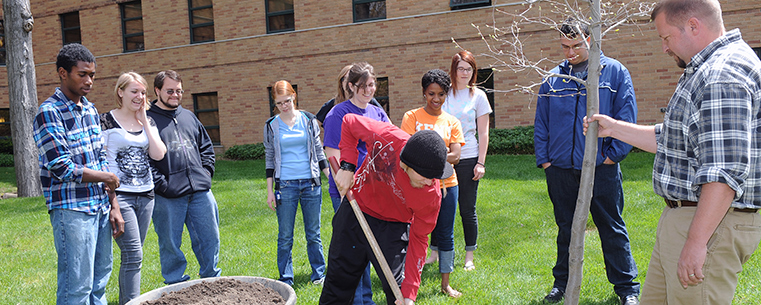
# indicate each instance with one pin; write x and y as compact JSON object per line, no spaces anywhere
{"x":710,"y":132}
{"x":69,"y":139}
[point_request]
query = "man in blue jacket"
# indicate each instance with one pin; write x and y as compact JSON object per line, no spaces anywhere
{"x":183,"y":184}
{"x":559,"y":147}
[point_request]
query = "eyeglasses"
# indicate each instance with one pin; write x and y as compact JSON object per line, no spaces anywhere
{"x":574,"y":47}
{"x":287,"y":101}
{"x":466,"y":70}
{"x":172,"y":92}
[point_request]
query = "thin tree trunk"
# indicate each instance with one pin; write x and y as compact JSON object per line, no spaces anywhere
{"x":22,"y":89}
{"x":576,"y":248}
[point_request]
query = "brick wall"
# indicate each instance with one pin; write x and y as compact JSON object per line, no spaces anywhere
{"x":244,"y":60}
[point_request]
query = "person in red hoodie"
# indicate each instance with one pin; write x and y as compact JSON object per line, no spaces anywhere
{"x":397,"y":188}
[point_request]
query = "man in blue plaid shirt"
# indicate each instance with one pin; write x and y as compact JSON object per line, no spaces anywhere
{"x":707,"y":158}
{"x":77,"y":187}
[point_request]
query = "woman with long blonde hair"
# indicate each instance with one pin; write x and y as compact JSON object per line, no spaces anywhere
{"x":131,"y":141}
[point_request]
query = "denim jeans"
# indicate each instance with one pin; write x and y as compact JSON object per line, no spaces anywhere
{"x":606,"y":207}
{"x":199,"y":212}
{"x":310,"y":195}
{"x":83,"y":244}
{"x":444,"y":230}
{"x":364,"y":293}
{"x":136,"y":211}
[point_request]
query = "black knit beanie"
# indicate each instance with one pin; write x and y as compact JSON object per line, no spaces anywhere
{"x":426,"y":153}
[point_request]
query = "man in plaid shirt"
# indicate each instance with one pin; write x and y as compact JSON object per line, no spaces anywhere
{"x":77,"y":187}
{"x":707,"y":158}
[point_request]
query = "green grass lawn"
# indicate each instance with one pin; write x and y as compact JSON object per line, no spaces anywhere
{"x":514,"y":260}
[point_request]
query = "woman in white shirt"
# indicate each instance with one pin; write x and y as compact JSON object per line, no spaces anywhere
{"x":470,"y":105}
{"x":131,"y":140}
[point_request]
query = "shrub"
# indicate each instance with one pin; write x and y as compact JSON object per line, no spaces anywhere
{"x":6,"y":146}
{"x":515,"y":141}
{"x":6,"y":160}
{"x":245,"y":152}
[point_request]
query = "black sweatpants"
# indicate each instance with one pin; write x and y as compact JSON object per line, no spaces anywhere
{"x":350,"y":252}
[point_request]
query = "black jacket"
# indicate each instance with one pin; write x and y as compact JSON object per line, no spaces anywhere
{"x":188,"y":164}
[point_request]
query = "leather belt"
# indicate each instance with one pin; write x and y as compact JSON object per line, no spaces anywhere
{"x":686,"y":203}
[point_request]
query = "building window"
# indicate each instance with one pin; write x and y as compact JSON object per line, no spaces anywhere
{"x":485,"y":80}
{"x":366,"y":10}
{"x":2,"y":43}
{"x":272,"y":102}
{"x":381,"y":93}
{"x":201,"y":21}
{"x":70,"y":28}
{"x":5,"y":123}
{"x":463,"y":4}
{"x":132,"y":26}
{"x":206,"y":108}
{"x":280,"y":16}
{"x":758,"y":51}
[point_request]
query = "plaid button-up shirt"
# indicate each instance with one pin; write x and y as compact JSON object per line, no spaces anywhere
{"x":69,"y":139}
{"x":711,"y":130}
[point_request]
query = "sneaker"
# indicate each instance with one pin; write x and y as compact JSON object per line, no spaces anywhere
{"x":555,"y":295}
{"x":319,"y":282}
{"x":629,"y":300}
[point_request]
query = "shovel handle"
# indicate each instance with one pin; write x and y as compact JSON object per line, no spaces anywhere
{"x":370,"y":237}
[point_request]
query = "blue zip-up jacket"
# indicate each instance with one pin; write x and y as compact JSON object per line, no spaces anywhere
{"x":188,"y":164}
{"x":317,"y":160}
{"x":560,"y":110}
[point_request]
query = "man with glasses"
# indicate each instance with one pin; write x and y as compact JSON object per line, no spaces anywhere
{"x":183,"y":184}
{"x":559,"y":148}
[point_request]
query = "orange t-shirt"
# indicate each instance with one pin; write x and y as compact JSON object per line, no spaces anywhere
{"x":445,"y":124}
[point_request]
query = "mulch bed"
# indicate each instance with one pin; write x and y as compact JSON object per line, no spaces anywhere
{"x":222,"y":291}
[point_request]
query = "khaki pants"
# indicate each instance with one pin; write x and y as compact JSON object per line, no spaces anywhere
{"x":731,"y":245}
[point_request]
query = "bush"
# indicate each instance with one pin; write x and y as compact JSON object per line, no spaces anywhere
{"x":516,"y":141}
{"x":245,"y":152}
{"x":6,"y":160}
{"x":6,"y":146}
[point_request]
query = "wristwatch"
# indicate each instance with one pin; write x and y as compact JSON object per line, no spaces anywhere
{"x":348,"y":166}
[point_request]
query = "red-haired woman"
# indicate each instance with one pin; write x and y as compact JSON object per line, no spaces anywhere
{"x":294,"y":160}
{"x":470,"y":105}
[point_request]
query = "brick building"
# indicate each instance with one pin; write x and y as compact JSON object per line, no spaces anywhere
{"x":230,"y":51}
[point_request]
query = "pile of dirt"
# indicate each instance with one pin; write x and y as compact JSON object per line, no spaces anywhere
{"x":222,"y":291}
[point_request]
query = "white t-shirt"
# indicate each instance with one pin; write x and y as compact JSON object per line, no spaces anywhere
{"x":127,"y":155}
{"x":466,"y":109}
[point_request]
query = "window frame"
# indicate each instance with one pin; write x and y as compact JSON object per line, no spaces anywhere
{"x":269,"y":14}
{"x":4,"y":122}
{"x":193,"y":27}
{"x":354,"y":3}
{"x":124,"y":20}
{"x":196,"y":111}
{"x":2,"y":41}
{"x":65,"y":29}
{"x":487,"y":85}
{"x":471,"y":4}
{"x":384,"y":101}
{"x":758,"y":51}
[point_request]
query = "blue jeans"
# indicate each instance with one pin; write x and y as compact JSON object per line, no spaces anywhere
{"x":310,"y":195}
{"x":444,"y":230}
{"x":83,"y":244}
{"x":606,"y":207}
{"x":199,"y":212}
{"x":136,"y":211}
{"x":364,"y":293}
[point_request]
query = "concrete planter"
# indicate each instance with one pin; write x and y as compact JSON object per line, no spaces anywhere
{"x":283,"y":289}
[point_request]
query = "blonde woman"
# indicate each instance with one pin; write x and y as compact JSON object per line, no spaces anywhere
{"x":131,"y":140}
